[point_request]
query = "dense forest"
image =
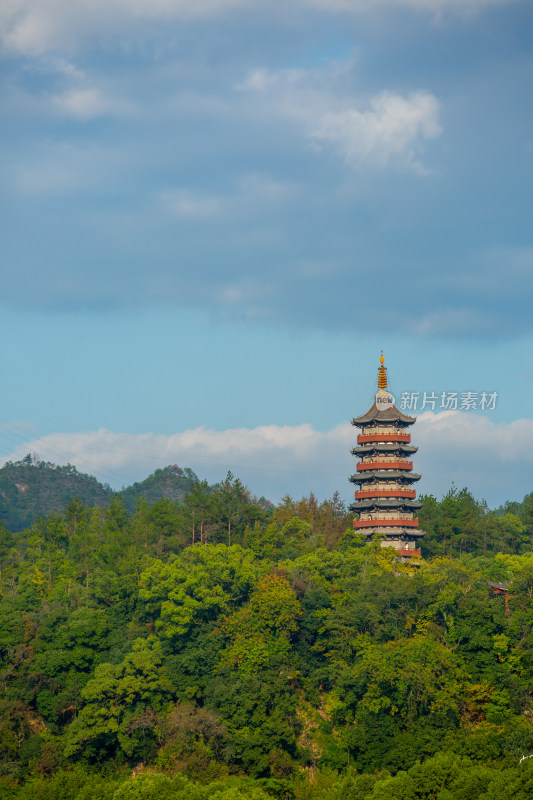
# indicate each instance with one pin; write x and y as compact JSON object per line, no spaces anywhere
{"x":215,"y":647}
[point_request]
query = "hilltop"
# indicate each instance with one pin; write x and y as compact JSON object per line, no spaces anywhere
{"x":31,"y":488}
{"x":171,"y":482}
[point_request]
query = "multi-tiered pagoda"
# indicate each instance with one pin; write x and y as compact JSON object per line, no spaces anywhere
{"x":385,"y":502}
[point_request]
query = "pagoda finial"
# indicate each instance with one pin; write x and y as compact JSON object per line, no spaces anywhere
{"x":382,"y":374}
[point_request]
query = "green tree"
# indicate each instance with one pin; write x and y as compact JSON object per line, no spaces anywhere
{"x":261,"y":631}
{"x":198,"y":586}
{"x":121,"y":703}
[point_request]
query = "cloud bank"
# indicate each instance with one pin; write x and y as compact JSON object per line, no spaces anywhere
{"x":494,"y":461}
{"x":263,"y":163}
{"x":32,"y":27}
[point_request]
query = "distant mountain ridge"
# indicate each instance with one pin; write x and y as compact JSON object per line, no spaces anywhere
{"x":30,"y":488}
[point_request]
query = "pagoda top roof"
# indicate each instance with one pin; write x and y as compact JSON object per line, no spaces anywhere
{"x":391,"y":414}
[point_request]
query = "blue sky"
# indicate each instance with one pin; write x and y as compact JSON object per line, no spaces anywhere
{"x":215,"y":214}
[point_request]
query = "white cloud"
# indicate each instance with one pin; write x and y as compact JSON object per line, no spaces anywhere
{"x":270,"y":458}
{"x":501,"y":443}
{"x":494,"y":460}
{"x":387,"y":128}
{"x":393,"y":126}
{"x":33,"y":27}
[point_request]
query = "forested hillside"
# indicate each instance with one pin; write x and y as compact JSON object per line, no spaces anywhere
{"x":31,"y":488}
{"x":216,"y":648}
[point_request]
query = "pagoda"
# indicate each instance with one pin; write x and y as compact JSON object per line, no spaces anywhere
{"x":385,"y":502}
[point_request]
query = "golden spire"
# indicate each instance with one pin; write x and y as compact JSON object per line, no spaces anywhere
{"x":382,"y":374}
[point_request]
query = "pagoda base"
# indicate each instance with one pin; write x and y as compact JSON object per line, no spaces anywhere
{"x":407,"y":551}
{"x":403,"y":547}
{"x":403,"y":542}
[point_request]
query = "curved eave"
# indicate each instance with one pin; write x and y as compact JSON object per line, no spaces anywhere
{"x":393,"y":447}
{"x":393,"y":533}
{"x":381,"y":475}
{"x":409,"y":505}
{"x":388,"y":415}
